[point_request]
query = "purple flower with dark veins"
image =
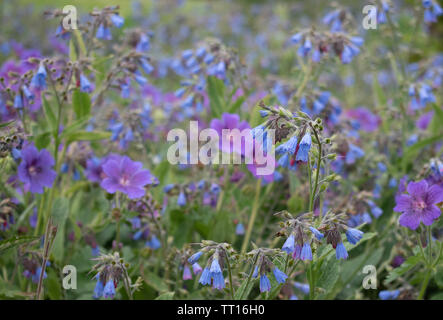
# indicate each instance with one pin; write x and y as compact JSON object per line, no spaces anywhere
{"x":419,"y":205}
{"x":35,"y":169}
{"x":127,"y":176}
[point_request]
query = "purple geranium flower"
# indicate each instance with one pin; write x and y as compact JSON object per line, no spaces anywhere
{"x":229,"y":121}
{"x":419,"y":205}
{"x":127,"y":176}
{"x":36,"y":169}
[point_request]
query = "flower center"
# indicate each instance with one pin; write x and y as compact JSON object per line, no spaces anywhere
{"x":419,"y":204}
{"x":32,"y":170}
{"x":124,"y":181}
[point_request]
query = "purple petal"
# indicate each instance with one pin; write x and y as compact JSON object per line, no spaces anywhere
{"x":134,"y":192}
{"x":418,"y":189}
{"x":230,"y":120}
{"x":111,"y":168}
{"x":409,"y":220}
{"x":435,"y":195}
{"x":403,"y":203}
{"x":430,"y":214}
{"x":141,"y":178}
{"x":109,"y":185}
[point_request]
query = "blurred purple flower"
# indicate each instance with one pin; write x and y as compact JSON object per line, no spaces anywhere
{"x":368,"y":121}
{"x":229,"y":121}
{"x":419,"y":205}
{"x":36,"y":169}
{"x":127,"y":176}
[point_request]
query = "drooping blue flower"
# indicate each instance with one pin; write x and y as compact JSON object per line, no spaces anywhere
{"x":153,"y":243}
{"x":279,"y":275}
{"x":289,"y":245}
{"x":39,"y":79}
{"x":205,"y":277}
{"x":18,"y":101}
{"x":296,"y":37}
{"x":317,"y":233}
{"x":265,"y":284}
{"x":143,"y":43}
{"x":117,"y":20}
{"x":27,"y":93}
{"x":306,"y":252}
{"x":181,"y":200}
{"x":353,"y":154}
{"x":218,"y":280}
{"x":103,"y":32}
{"x":305,"y":146}
{"x":303,"y":287}
{"x":85,"y":85}
{"x":99,"y":287}
{"x":109,"y":290}
{"x":255,"y":273}
{"x":354,"y":235}
{"x":137,"y":235}
{"x":195,"y":257}
{"x":146,"y":66}
{"x":215,"y":266}
{"x":340,"y":251}
{"x":240,"y":229}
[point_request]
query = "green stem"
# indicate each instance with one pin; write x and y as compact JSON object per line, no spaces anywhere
{"x":249,"y":276}
{"x":317,"y":172}
{"x":424,"y":285}
{"x":253,"y":216}
{"x":230,"y":276}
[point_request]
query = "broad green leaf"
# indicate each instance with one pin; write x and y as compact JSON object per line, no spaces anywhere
{"x":328,"y":275}
{"x":81,"y":103}
{"x":216,"y":91}
{"x":60,"y":211}
{"x":43,"y":140}
{"x":243,"y":291}
{"x":49,"y":114}
{"x":411,"y":152}
{"x":88,"y":136}
{"x":156,"y":282}
{"x":406,"y":266}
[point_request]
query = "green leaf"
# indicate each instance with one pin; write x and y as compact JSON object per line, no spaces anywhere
{"x":411,"y":152}
{"x":166,"y":296}
{"x":156,"y":282}
{"x":49,"y":114}
{"x":5,"y":124}
{"x":437,"y":120}
{"x":60,"y":211}
{"x":87,"y":136}
{"x":329,"y":275}
{"x":236,"y":105}
{"x":81,"y":103}
{"x":405,"y":266}
{"x":216,"y":92}
{"x":244,"y":291}
{"x":12,"y":242}
{"x":43,"y":140}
